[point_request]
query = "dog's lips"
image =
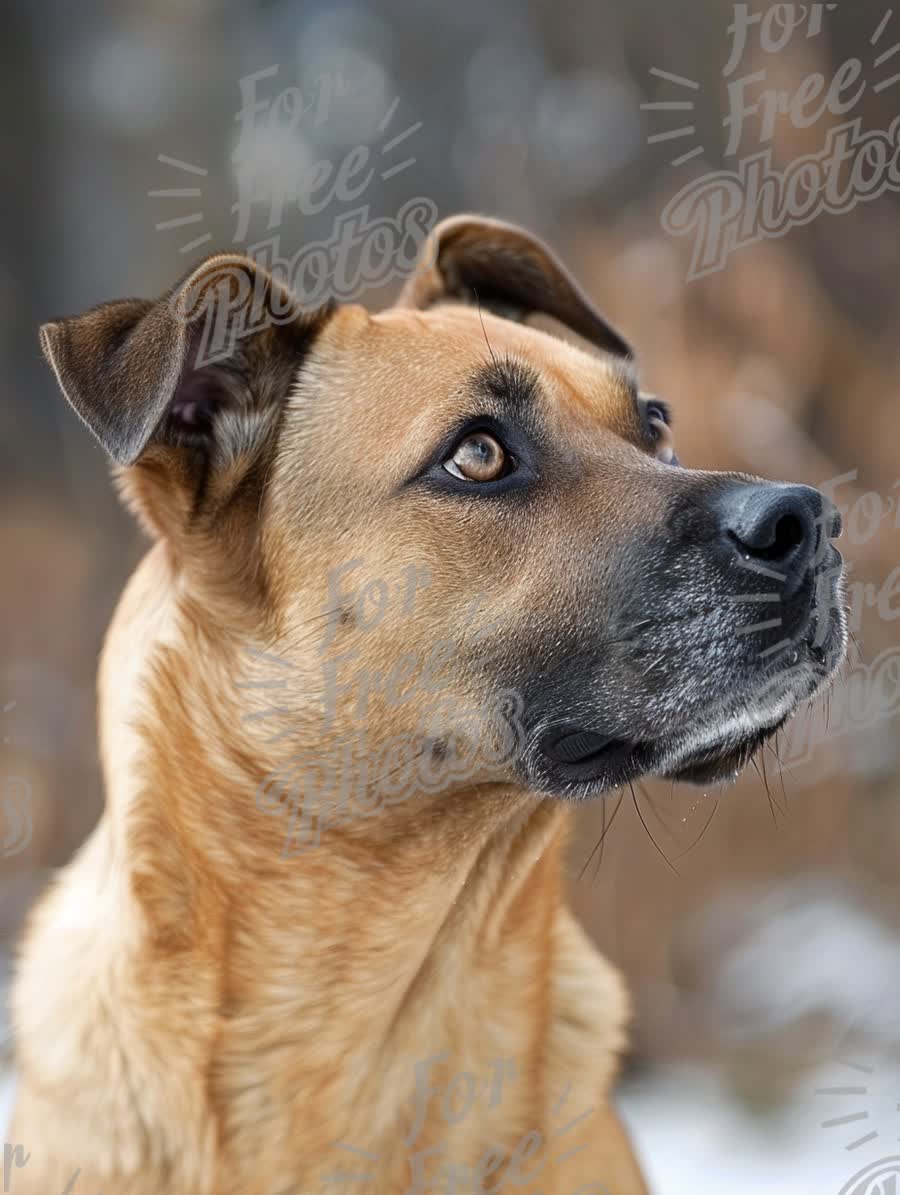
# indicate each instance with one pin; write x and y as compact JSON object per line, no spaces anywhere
{"x":580,"y":761}
{"x":578,"y":746}
{"x":716,"y":765}
{"x":579,"y":756}
{"x":585,"y":760}
{"x":577,"y":761}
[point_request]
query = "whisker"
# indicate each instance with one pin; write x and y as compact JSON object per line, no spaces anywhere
{"x":484,"y":330}
{"x":768,"y":790}
{"x":781,"y":768}
{"x":855,"y":643}
{"x":659,"y":659}
{"x":766,"y":786}
{"x":601,"y":840}
{"x":659,"y":849}
{"x":643,"y":791}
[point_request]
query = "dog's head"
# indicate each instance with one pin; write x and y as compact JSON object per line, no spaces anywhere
{"x":440,"y":501}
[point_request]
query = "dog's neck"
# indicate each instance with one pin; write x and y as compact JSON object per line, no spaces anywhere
{"x":289,"y":993}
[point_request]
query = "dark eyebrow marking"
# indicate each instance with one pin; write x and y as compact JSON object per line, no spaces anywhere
{"x":513,"y":386}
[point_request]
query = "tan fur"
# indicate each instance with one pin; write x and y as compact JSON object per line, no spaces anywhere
{"x":195,"y":1012}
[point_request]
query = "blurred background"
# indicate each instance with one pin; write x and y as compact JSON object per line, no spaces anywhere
{"x":759,"y":927}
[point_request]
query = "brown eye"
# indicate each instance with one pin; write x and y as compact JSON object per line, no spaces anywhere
{"x":479,"y":457}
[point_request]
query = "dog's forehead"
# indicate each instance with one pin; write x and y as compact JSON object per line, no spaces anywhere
{"x":430,"y":359}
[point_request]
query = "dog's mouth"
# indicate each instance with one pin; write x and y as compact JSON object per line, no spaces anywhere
{"x":584,"y":756}
{"x":579,"y":760}
{"x":583,"y":760}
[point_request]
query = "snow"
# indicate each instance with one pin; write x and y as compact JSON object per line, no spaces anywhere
{"x":693,"y":1136}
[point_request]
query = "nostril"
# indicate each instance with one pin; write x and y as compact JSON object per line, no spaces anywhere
{"x":789,"y":534}
{"x":774,"y":540}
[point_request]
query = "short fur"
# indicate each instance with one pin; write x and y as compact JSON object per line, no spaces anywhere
{"x":196,"y":1012}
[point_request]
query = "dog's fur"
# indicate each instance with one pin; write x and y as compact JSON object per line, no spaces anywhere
{"x":199,"y":1010}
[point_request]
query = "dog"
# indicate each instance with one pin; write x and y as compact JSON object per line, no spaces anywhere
{"x":213,"y":998}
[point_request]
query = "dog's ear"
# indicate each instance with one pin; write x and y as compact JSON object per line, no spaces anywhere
{"x":138,"y":372}
{"x":471,"y":259}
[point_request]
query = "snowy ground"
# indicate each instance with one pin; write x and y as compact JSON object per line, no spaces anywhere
{"x":6,"y":1102}
{"x":692,"y":1137}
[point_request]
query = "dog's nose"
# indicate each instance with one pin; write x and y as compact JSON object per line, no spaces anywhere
{"x":779,"y":526}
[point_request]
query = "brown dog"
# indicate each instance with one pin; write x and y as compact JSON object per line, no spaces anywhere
{"x":382,"y":989}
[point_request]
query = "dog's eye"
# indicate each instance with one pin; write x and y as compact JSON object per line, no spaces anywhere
{"x":478,"y":457}
{"x":657,"y":412}
{"x":659,"y":421}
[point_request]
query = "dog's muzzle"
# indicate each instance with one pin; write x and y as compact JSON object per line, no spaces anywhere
{"x":722,"y":624}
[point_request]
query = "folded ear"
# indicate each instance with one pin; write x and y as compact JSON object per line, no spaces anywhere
{"x":170,"y":371}
{"x":471,"y":259}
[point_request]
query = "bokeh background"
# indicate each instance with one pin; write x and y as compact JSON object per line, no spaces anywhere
{"x":759,"y":927}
